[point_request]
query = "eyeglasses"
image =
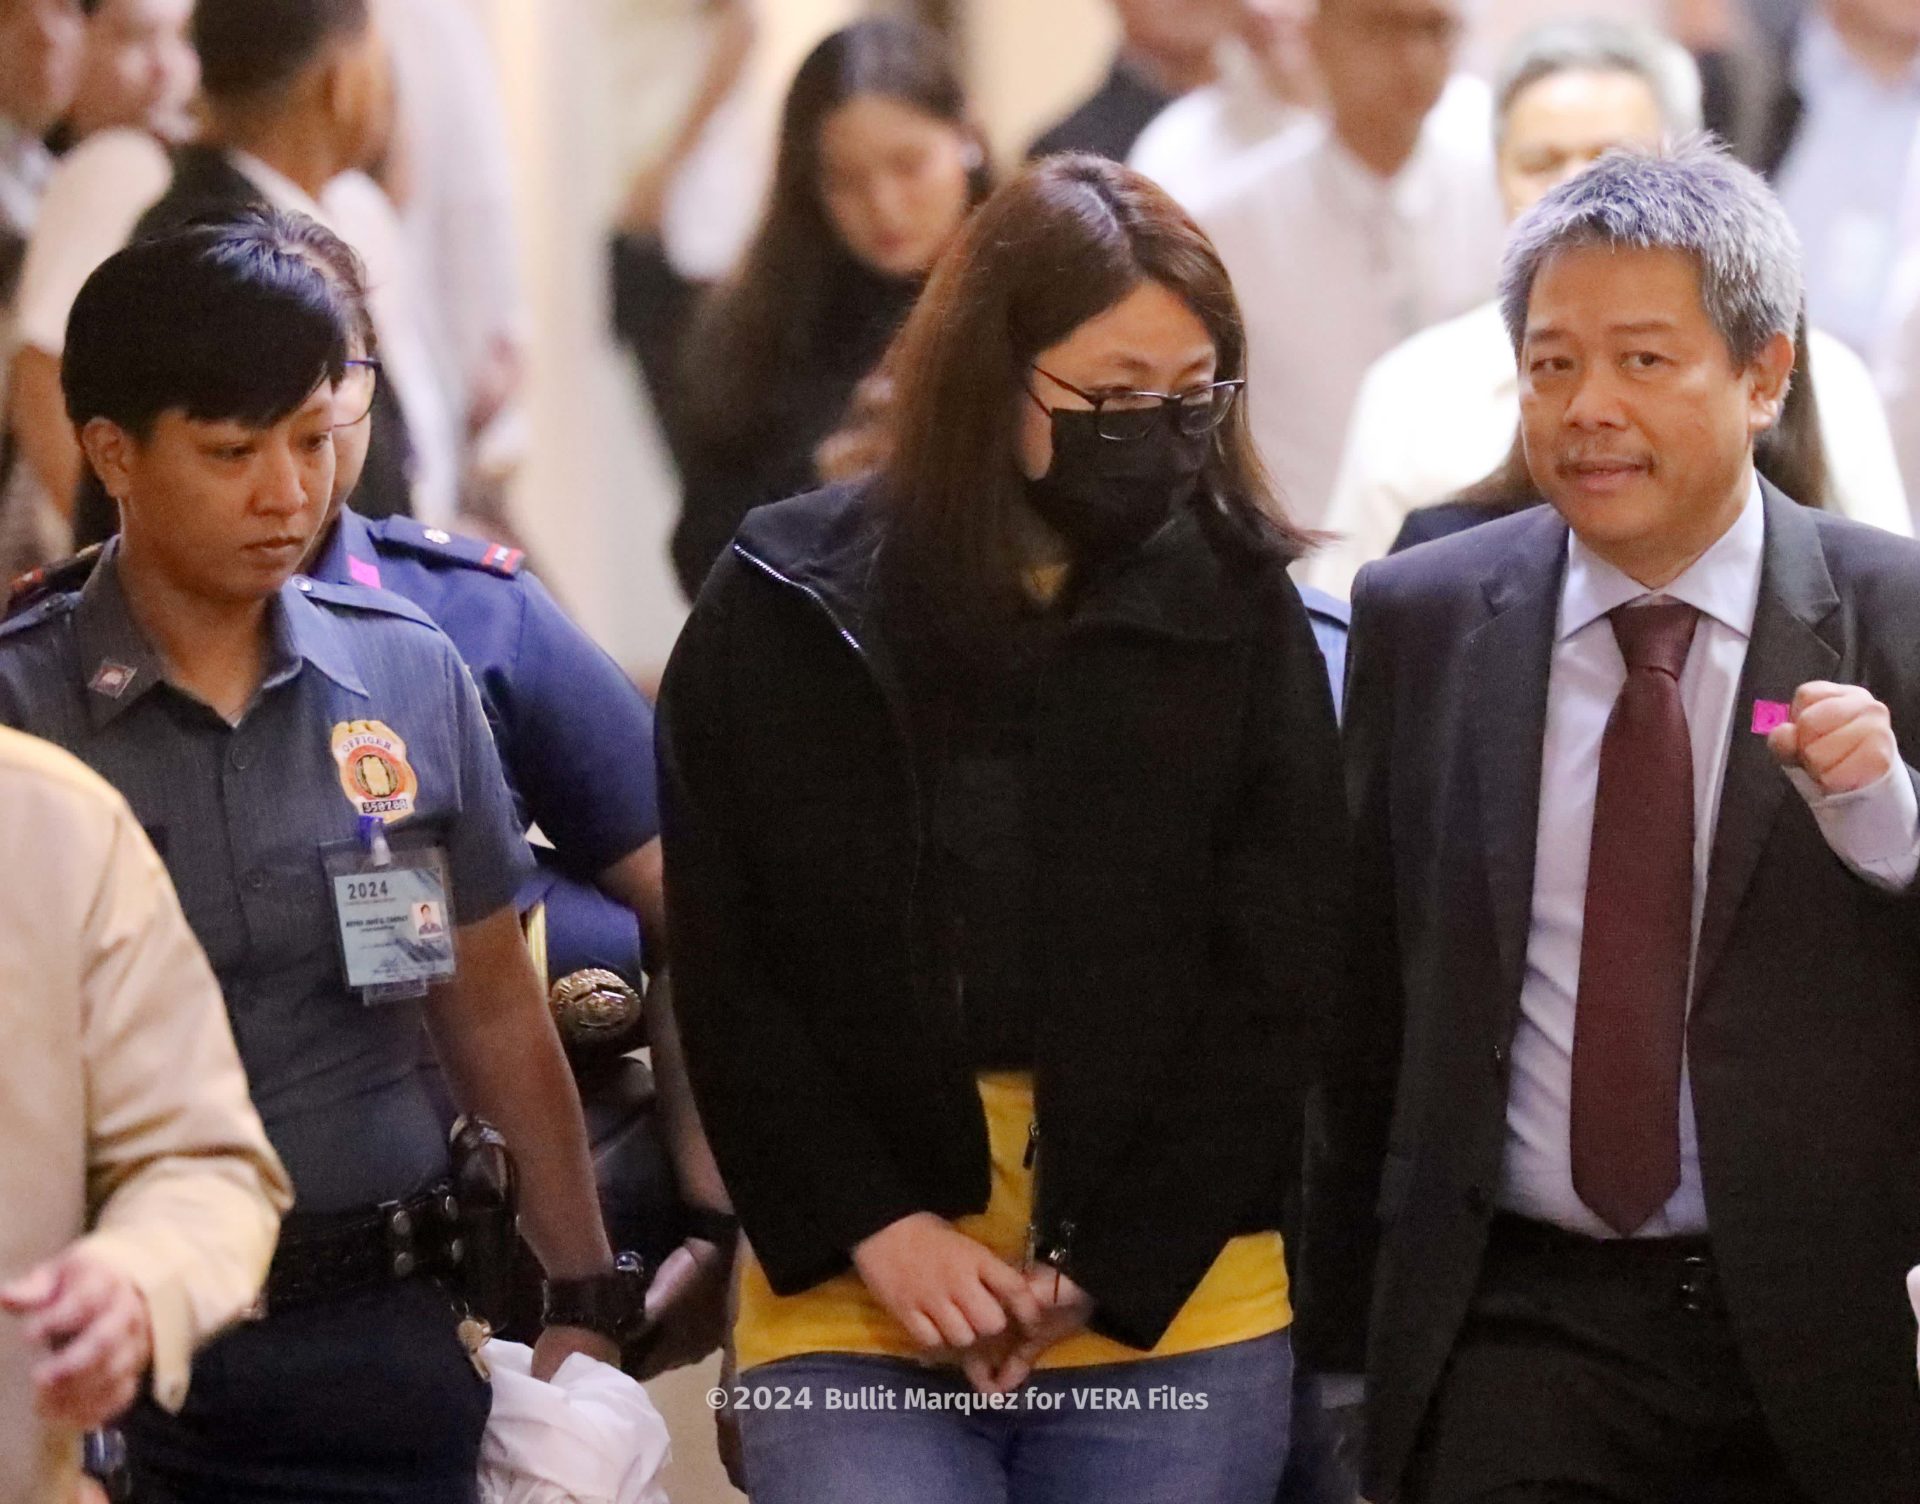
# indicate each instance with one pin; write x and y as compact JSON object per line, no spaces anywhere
{"x":353,"y":397}
{"x":1125,"y":416}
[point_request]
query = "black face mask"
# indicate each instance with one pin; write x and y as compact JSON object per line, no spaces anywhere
{"x":1106,"y":498}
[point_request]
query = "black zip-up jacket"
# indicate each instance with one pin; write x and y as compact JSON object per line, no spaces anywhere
{"x":1188,"y":863}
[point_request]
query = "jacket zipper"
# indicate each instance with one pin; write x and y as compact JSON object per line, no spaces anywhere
{"x":893,"y":719}
{"x":1057,"y":1251}
{"x":1060,"y":1248}
{"x":1031,"y":1161}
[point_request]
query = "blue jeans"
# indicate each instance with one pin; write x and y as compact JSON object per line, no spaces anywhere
{"x":1200,"y":1428}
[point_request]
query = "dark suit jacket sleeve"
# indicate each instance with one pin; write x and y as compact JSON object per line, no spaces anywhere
{"x":807,"y":1174}
{"x":1422,"y":525}
{"x":1351,"y":1104}
{"x":1232,"y":1114}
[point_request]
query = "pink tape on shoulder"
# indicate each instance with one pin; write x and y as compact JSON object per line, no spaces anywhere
{"x":1768,"y":714}
{"x":363,"y":573}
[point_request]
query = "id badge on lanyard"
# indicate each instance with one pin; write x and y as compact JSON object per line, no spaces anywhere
{"x":393,"y":914}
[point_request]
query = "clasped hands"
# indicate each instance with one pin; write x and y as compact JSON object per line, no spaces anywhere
{"x":961,"y":1303}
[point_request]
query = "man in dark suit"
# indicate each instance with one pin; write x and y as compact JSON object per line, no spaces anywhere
{"x":1630,"y":1072}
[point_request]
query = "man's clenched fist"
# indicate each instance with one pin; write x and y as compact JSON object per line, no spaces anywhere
{"x":1839,"y":736}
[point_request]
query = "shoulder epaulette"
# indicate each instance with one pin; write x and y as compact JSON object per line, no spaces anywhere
{"x":60,"y":578}
{"x":363,"y":598}
{"x":438,"y":544}
{"x":48,"y":607}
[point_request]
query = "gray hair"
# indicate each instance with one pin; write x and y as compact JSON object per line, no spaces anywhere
{"x":1693,"y":198}
{"x":1597,"y":46}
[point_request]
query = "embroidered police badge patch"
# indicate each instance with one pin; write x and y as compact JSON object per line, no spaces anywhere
{"x":374,"y":770}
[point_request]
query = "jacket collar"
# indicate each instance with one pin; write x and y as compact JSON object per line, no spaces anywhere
{"x":120,"y":665}
{"x":349,"y":557}
{"x":1790,"y":646}
{"x":827,"y":545}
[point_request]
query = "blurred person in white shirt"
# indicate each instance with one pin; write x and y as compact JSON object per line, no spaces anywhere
{"x":1345,"y":237}
{"x":1439,"y":412}
{"x":137,"y":69}
{"x":301,"y":141}
{"x":40,"y":46}
{"x":451,"y":181}
{"x":1265,"y":84}
{"x":1897,"y":366}
{"x":1167,"y":47}
{"x":1843,"y":150}
{"x":132,"y":95}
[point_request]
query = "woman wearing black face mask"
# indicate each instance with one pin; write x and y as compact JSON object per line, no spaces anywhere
{"x":1004,"y":848}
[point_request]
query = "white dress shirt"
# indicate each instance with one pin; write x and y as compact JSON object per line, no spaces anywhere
{"x":1439,"y":412}
{"x":1199,"y":141}
{"x":94,"y":199}
{"x":1335,"y":265}
{"x":104,"y":185}
{"x":457,"y":217}
{"x":1875,"y":831}
{"x":1844,"y":181}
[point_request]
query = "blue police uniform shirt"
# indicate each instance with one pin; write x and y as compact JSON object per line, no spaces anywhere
{"x":241,"y":812}
{"x":575,"y":735}
{"x":1332,"y":619}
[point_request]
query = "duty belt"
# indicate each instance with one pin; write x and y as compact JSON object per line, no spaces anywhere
{"x":326,"y":1256}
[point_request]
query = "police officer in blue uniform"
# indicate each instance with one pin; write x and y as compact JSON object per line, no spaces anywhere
{"x":575,"y":739}
{"x":314,"y":765}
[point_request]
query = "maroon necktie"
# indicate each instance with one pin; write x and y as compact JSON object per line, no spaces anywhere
{"x":1631,"y":1013}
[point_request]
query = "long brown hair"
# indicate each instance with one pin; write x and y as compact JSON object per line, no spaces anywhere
{"x":1792,"y":454}
{"x":763,"y":323}
{"x":1060,"y":244}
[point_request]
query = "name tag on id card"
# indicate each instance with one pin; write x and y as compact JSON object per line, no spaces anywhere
{"x":395,"y":919}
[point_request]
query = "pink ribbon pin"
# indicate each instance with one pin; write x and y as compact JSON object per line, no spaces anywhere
{"x":1769,"y":715}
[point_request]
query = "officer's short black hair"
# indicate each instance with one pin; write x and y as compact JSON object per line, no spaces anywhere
{"x":252,"y":48}
{"x":227,"y":323}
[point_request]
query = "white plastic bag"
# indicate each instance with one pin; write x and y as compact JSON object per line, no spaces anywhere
{"x":590,"y":1437}
{"x":1913,"y":1291}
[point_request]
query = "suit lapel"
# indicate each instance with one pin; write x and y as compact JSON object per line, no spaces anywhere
{"x":1508,"y":663}
{"x":1785,"y":651}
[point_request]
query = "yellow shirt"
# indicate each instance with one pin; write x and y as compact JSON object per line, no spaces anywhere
{"x":1242,"y":1297}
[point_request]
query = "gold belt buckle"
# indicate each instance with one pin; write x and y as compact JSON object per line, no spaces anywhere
{"x":592,"y":1005}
